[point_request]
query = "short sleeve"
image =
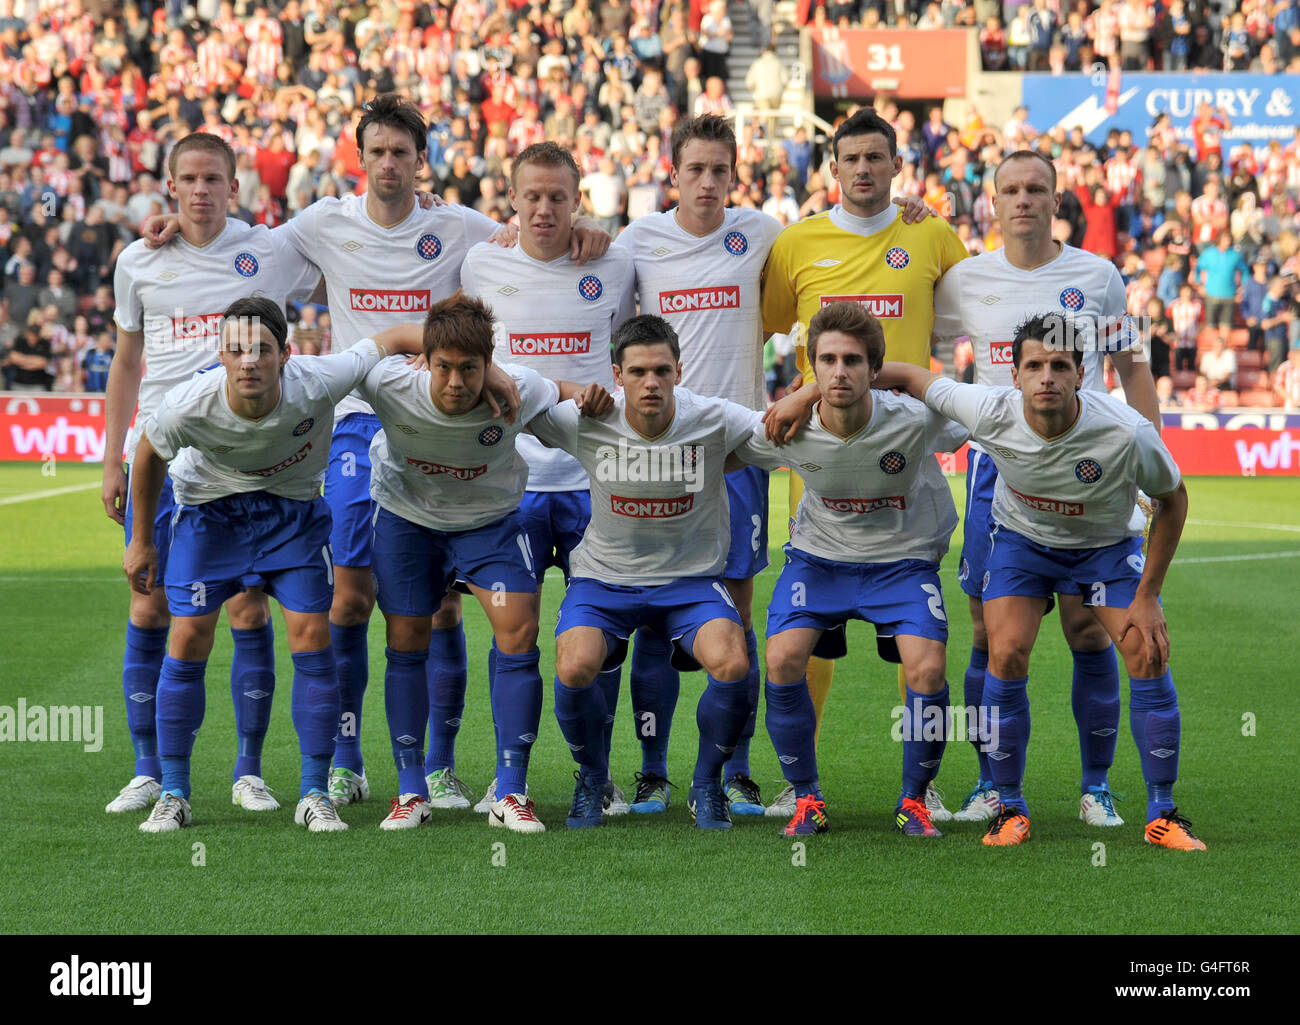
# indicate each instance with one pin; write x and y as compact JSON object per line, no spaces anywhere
{"x":343,"y":371}
{"x":951,"y":249}
{"x":536,"y":393}
{"x":756,"y":450}
{"x":558,"y":426}
{"x":964,"y":403}
{"x":947,"y":306}
{"x":1157,"y":473}
{"x":943,"y":434}
{"x":300,"y":231}
{"x":740,"y":423}
{"x":165,"y":430}
{"x":780,"y":311}
{"x":129,"y":314}
{"x":297,"y":274}
{"x":478,"y":227}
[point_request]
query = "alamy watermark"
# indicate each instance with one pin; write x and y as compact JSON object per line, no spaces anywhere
{"x":953,"y":723}
{"x":55,"y":724}
{"x":624,"y":463}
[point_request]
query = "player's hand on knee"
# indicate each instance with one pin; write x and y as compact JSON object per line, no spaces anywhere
{"x":594,"y":401}
{"x":506,"y":236}
{"x":1146,"y":616}
{"x":113,"y":493}
{"x":140,"y":563}
{"x":159,"y":229}
{"x":588,"y":244}
{"x":914,"y":208}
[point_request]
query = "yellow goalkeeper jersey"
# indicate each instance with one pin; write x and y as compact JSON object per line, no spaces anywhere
{"x":891,"y":268}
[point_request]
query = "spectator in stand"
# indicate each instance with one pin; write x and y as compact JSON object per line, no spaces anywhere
{"x":1102,"y":26}
{"x":95,"y":362}
{"x":1218,"y":365}
{"x":1219,"y":272}
{"x":1253,"y":291}
{"x":57,"y":294}
{"x":1186,"y":314}
{"x":1165,"y":393}
{"x":1136,"y":27}
{"x":1201,"y":397}
{"x":1160,"y":336}
{"x":29,"y":361}
{"x":1276,"y":317}
{"x":1042,"y":30}
{"x":715,"y":40}
{"x":1102,"y":235}
{"x":714,"y":99}
{"x":1286,"y":382}
{"x":1018,"y":38}
{"x":605,"y":195}
{"x":993,"y":45}
{"x":1209,"y":215}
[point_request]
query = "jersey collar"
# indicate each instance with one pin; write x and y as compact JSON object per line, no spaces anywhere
{"x":864,"y":226}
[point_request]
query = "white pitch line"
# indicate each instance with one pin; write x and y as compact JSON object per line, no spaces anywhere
{"x":45,"y":578}
{"x":31,"y":496}
{"x":1258,"y":526}
{"x":1236,"y":558}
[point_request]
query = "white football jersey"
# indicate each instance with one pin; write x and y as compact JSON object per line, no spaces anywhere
{"x":176,"y":295}
{"x":659,"y":508}
{"x":708,"y":290}
{"x":214,"y":452}
{"x":376,"y":277}
{"x":447,"y":472}
{"x":987,"y":298}
{"x":878,"y":496}
{"x":1075,"y":491}
{"x":557,"y":318}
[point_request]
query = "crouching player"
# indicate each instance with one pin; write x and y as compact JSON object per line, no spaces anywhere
{"x":248,"y":449}
{"x":1069,"y":465}
{"x":871,"y":529}
{"x":448,"y":482}
{"x":652,"y":556}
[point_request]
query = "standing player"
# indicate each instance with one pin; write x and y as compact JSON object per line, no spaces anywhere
{"x":859,"y":251}
{"x":448,"y":482}
{"x":248,"y":449}
{"x":872,"y":527}
{"x":651,"y":556}
{"x":699,"y":266}
{"x":165,"y":320}
{"x":555,"y":317}
{"x":986,"y":297}
{"x":1070,"y":463}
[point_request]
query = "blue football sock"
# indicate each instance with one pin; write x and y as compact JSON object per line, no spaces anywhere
{"x":492,"y":680}
{"x":1008,"y":714}
{"x":252,"y":686}
{"x":1094,"y":696}
{"x":791,"y":723}
{"x":315,"y":709}
{"x":580,"y":712}
{"x":446,"y":674}
{"x":609,"y":681}
{"x":925,"y":735}
{"x":141,"y":663}
{"x":973,"y":695}
{"x":1157,"y":730}
{"x":517,"y":706}
{"x":181,"y":703}
{"x":738,"y":763}
{"x":655,"y":686}
{"x":720,"y":716}
{"x":352,"y":663}
{"x":406,"y":701}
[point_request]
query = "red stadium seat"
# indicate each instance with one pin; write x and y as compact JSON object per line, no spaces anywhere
{"x":1260,"y":398}
{"x":1205,"y":340}
{"x":1251,"y":378}
{"x":1183,"y":379}
{"x":1238,"y":337}
{"x":1250,"y":359}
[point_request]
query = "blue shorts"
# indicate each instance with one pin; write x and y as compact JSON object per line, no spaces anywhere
{"x":414,"y":565}
{"x":981,"y":476}
{"x":677,"y":610}
{"x":901,"y":597}
{"x":1106,"y":576}
{"x":162,"y":535}
{"x":255,"y":539}
{"x":747,"y":497}
{"x":347,"y":489}
{"x":554,"y":522}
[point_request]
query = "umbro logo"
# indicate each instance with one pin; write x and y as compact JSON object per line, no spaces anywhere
{"x":989,"y":300}
{"x":725,"y":750}
{"x":405,"y":428}
{"x":453,"y":722}
{"x":809,"y":466}
{"x":1164,"y":752}
{"x":998,"y":756}
{"x":168,"y":275}
{"x":787,"y":759}
{"x":350,"y":246}
{"x":661,"y":251}
{"x":575,"y":747}
{"x":1005,"y":453}
{"x":930,"y":764}
{"x":140,"y":697}
{"x":257,"y":695}
{"x":1108,"y":732}
{"x":507,"y":290}
{"x":406,"y":739}
{"x":221,"y":449}
{"x":827,"y":263}
{"x":528,"y":738}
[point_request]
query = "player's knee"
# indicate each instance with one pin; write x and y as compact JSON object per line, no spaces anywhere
{"x":407,"y":633}
{"x":448,"y":614}
{"x":1009,"y":659}
{"x":926,"y":678}
{"x":249,"y":611}
{"x":518,"y":639}
{"x":730,"y":664}
{"x":576,"y":668}
{"x":979,"y":635}
{"x":148,"y":616}
{"x":191,"y":639}
{"x":784,"y":665}
{"x":352,"y":605}
{"x":1084,"y":632}
{"x":309,"y":634}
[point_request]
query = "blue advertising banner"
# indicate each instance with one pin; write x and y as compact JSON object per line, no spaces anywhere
{"x":1260,"y":107}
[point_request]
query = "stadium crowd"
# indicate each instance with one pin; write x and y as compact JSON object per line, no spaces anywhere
{"x":1205,"y":233}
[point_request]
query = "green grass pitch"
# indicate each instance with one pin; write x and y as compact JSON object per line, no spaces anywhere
{"x":69,"y":867}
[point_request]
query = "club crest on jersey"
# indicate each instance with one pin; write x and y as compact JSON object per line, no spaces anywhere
{"x":304,"y":427}
{"x":1088,"y":471}
{"x":893,"y":462}
{"x":590,"y":288}
{"x":897,"y":257}
{"x":490,"y":435}
{"x":735,"y":243}
{"x":428,"y":247}
{"x":1072,"y":299}
{"x":246,"y":265}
